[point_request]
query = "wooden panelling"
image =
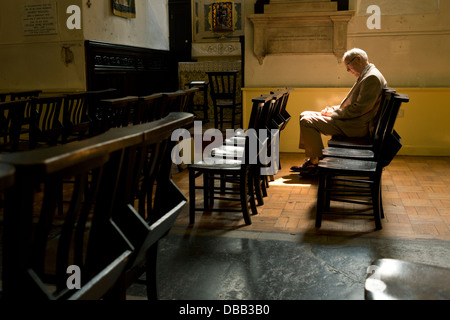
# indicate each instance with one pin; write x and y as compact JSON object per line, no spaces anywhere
{"x":131,"y":70}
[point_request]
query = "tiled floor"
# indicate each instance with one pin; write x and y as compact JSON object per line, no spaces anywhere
{"x":416,"y":202}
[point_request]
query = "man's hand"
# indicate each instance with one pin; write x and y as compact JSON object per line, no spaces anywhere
{"x":327,"y":111}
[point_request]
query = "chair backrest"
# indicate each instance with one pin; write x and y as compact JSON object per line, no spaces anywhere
{"x":19,"y":95}
{"x":94,"y":111}
{"x":11,"y":120}
{"x":223,"y":85}
{"x":45,"y":124}
{"x":118,"y":112}
{"x":42,"y":248}
{"x":276,"y":120}
{"x":148,"y":109}
{"x":25,"y":94}
{"x":257,"y":111}
{"x":3,"y":96}
{"x":75,"y":109}
{"x":381,"y":116}
{"x":189,"y":99}
{"x":284,"y":114}
{"x":38,"y":251}
{"x":148,"y":201}
{"x":173,"y":102}
{"x":390,"y":142}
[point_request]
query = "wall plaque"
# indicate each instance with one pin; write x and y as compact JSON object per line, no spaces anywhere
{"x":39,"y":19}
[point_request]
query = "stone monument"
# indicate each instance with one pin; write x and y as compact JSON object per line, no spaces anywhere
{"x":300,"y":27}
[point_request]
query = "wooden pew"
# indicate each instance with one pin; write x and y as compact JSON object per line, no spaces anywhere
{"x":92,"y":233}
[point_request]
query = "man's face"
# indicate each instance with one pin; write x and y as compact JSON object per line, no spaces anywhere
{"x":353,"y":66}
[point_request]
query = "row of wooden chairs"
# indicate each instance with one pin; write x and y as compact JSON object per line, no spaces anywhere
{"x":237,"y":163}
{"x":121,"y":203}
{"x":49,"y":120}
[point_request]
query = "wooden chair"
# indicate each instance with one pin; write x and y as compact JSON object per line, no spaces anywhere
{"x":11,"y":121}
{"x":19,"y":95}
{"x":365,"y":143}
{"x":364,"y":149}
{"x":148,"y":109}
{"x":173,"y":102}
{"x":117,"y":112}
{"x":40,"y":246}
{"x":203,"y":87}
{"x":76,"y":120}
{"x":22,"y":95}
{"x":93,"y":99}
{"x":148,"y":202}
{"x":234,"y":167}
{"x":45,"y":127}
{"x":100,"y":231}
{"x":189,"y":99}
{"x":223,"y":91}
{"x":352,"y":181}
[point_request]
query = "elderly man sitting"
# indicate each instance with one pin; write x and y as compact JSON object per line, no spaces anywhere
{"x":352,"y":118}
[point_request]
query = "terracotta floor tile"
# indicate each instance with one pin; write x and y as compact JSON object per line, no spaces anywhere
{"x":416,"y":202}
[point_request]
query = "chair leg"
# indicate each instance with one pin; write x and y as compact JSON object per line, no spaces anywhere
{"x":150,"y":270}
{"x":251,"y":192}
{"x":243,"y":189}
{"x":233,"y":116}
{"x":376,"y":203}
{"x":208,"y":190}
{"x":191,"y":196}
{"x":381,"y":201}
{"x":320,"y":199}
{"x":258,"y":185}
{"x":216,"y":121}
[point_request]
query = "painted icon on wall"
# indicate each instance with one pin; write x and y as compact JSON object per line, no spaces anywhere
{"x":217,"y":20}
{"x":222,"y":17}
{"x":124,"y":8}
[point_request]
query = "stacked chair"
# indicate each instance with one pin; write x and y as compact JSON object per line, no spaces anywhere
{"x":29,"y":120}
{"x":100,"y":205}
{"x":101,"y":243}
{"x":236,"y":164}
{"x":351,"y":170}
{"x":11,"y":120}
{"x":148,"y":108}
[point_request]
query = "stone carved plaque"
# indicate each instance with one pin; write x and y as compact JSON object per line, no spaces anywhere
{"x":300,"y":40}
{"x":300,"y":33}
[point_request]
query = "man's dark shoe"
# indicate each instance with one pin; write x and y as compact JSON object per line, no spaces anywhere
{"x":310,"y":172}
{"x":306,"y":166}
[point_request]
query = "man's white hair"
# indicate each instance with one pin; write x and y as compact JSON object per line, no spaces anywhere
{"x":350,"y":54}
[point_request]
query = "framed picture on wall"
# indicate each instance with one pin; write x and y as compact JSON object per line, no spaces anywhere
{"x":217,"y":20}
{"x":124,"y":8}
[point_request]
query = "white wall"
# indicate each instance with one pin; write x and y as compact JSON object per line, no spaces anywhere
{"x":150,"y":28}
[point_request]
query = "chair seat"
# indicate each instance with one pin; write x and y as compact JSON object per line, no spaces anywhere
{"x":347,"y":142}
{"x":228,"y":151}
{"x":348,"y":153}
{"x":348,"y":165}
{"x":217,"y":163}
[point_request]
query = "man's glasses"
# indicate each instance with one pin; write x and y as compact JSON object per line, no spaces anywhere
{"x":347,"y":64}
